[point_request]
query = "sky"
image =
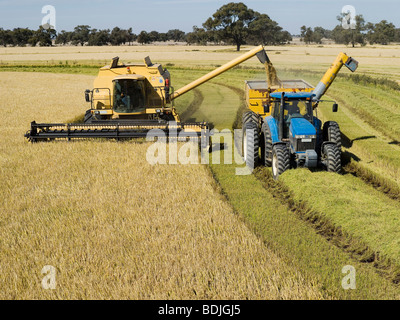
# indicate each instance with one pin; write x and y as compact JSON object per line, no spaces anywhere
{"x":164,"y":15}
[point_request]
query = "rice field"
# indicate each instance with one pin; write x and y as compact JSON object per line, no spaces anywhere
{"x":112,"y":225}
{"x":64,"y":203}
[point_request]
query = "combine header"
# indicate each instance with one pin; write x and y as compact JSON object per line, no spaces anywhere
{"x":134,"y":101}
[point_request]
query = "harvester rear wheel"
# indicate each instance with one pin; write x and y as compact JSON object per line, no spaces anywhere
{"x":331,"y":132}
{"x":280,"y":160}
{"x":250,"y":144}
{"x":331,"y":157}
{"x":266,"y":146}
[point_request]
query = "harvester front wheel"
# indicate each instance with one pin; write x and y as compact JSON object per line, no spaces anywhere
{"x":331,"y":157}
{"x":88,"y":117}
{"x":280,"y":160}
{"x":250,"y":144}
{"x":266,"y":146}
{"x":331,"y":132}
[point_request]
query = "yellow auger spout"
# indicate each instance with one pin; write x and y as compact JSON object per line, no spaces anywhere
{"x":259,"y":52}
{"x":330,"y":75}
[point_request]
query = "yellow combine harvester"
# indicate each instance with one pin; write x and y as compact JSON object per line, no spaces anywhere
{"x":129,"y":100}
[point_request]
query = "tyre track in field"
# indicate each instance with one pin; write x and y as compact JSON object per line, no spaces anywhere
{"x":356,"y":248}
{"x":193,"y":106}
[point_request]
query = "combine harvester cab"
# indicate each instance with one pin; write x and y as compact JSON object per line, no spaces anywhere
{"x":130,"y":101}
{"x":281,"y":129}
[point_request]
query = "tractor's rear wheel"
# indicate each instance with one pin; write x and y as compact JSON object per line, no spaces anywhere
{"x":331,"y":132}
{"x":249,"y":116}
{"x":250,"y":144}
{"x":266,"y":146}
{"x":331,"y":157}
{"x":280,"y":160}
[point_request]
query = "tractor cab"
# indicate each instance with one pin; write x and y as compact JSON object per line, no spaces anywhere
{"x":129,"y":94}
{"x":293,"y":112}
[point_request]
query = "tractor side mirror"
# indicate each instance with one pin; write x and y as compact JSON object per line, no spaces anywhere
{"x":87,"y":97}
{"x":267,"y":108}
{"x":335,"y":107}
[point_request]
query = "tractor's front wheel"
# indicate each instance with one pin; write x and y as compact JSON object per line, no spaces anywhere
{"x":250,"y":144}
{"x":331,"y":157}
{"x":280,"y":160}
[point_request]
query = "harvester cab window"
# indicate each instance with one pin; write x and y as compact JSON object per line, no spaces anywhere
{"x":129,"y":96}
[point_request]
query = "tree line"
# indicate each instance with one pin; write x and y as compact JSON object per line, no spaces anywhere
{"x":233,"y":23}
{"x":383,"y":33}
{"x":83,"y":35}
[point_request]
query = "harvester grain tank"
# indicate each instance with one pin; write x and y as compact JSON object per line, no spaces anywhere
{"x":282,"y":128}
{"x":129,"y":100}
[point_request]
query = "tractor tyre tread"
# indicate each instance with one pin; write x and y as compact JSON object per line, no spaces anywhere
{"x":331,"y":132}
{"x":266,"y":146}
{"x":252,"y":144}
{"x":283,"y":159}
{"x":332,"y":156}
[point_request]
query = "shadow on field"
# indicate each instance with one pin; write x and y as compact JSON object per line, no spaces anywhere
{"x":347,"y":143}
{"x":395,"y":142}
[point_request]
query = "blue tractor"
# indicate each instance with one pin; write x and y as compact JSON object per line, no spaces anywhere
{"x":281,"y":129}
{"x":293,"y":137}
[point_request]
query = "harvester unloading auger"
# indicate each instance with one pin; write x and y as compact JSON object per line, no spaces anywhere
{"x":129,"y":101}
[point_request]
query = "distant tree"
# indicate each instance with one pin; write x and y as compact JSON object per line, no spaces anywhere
{"x":64,"y":37}
{"x":175,"y":35}
{"x":162,"y":37}
{"x":381,"y":33}
{"x":99,"y":37}
{"x":324,"y":33}
{"x":130,"y":36}
{"x":284,"y":37}
{"x":143,"y":38}
{"x":119,"y":36}
{"x":199,"y":36}
{"x":80,"y":35}
{"x":266,"y":31}
{"x":397,"y":35}
{"x":307,"y":34}
{"x":43,"y":37}
{"x":154,"y":36}
{"x":5,"y":37}
{"x":231,"y":23}
{"x":21,"y":36}
{"x":350,"y":36}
